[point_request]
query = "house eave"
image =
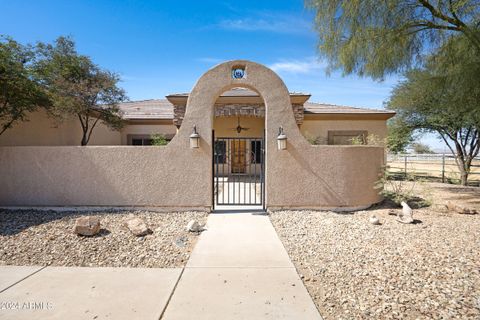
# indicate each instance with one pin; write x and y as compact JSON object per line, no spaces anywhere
{"x":349,"y":116}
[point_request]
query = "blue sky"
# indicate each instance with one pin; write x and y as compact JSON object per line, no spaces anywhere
{"x":162,"y":47}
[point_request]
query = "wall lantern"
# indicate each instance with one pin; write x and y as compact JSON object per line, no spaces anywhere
{"x":194,"y":138}
{"x":281,"y":139}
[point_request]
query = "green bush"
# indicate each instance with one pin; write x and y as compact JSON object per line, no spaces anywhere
{"x":159,"y":140}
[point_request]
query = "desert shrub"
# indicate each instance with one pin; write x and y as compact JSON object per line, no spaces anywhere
{"x":312,"y":139}
{"x":394,"y":190}
{"x":398,"y":190}
{"x":159,"y":140}
{"x":371,"y":140}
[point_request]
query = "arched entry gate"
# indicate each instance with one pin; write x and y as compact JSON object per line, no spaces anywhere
{"x":238,"y":167}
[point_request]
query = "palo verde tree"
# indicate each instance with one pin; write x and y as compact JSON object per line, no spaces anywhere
{"x":375,"y":38}
{"x":20,"y":94}
{"x":79,"y":88}
{"x":444,"y":97}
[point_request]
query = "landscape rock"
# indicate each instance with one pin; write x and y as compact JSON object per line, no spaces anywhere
{"x":138,"y":227}
{"x":357,"y":271}
{"x":452,"y":206}
{"x":31,"y":237}
{"x":374,"y":220}
{"x":87,"y":226}
{"x":406,"y":215}
{"x":194,"y":226}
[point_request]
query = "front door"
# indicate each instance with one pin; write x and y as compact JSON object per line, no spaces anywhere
{"x":239,"y":155}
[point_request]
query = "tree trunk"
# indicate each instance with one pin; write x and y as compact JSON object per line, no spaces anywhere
{"x":463,"y":177}
{"x":464,"y":170}
{"x":84,"y":139}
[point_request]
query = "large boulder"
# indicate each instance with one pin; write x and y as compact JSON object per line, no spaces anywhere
{"x":138,"y":227}
{"x":406,"y":215}
{"x":87,"y":226}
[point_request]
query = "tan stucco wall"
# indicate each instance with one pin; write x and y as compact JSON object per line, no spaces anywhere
{"x":41,"y":130}
{"x":100,"y":176}
{"x":319,"y":128}
{"x":303,"y":176}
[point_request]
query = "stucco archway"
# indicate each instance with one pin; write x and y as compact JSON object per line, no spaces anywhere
{"x":200,"y":105}
{"x":303,"y":176}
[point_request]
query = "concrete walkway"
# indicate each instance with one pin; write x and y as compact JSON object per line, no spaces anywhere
{"x":85,"y":293}
{"x":239,"y":269}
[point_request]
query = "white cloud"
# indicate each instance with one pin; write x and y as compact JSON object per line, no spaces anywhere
{"x":270,"y":22}
{"x":210,"y":60}
{"x":297,"y":66}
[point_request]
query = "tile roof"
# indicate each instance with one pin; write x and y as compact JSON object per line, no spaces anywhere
{"x":147,"y":109}
{"x":162,"y":109}
{"x":316,"y":108}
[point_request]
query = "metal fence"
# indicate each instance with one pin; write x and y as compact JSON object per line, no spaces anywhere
{"x":439,"y":167}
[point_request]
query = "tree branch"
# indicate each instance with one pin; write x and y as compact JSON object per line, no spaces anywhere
{"x":448,"y":144}
{"x":436,"y":13}
{"x":461,"y":26}
{"x":454,"y":14}
{"x":91,"y":129}
{"x":6,"y":126}
{"x":430,"y":25}
{"x":81,"y":121}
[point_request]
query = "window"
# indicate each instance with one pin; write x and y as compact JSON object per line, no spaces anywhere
{"x":220,"y":153}
{"x":256,"y":149}
{"x":346,"y":137}
{"x":141,"y":142}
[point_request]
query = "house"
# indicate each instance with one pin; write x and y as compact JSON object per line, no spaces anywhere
{"x":237,"y":108}
{"x":238,"y":138}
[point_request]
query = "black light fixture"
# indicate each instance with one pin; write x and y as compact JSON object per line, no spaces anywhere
{"x":281,"y":139}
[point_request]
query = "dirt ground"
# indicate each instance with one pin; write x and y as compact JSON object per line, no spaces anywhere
{"x":356,"y":270}
{"x":434,"y":170}
{"x":30,"y":237}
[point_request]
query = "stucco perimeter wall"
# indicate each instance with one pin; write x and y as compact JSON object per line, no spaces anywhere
{"x":325,"y":177}
{"x":101,"y":176}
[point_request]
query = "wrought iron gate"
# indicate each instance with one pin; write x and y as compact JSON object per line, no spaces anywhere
{"x":238,"y":167}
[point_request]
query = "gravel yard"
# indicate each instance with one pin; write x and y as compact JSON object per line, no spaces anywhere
{"x":356,"y":270}
{"x":46,"y":238}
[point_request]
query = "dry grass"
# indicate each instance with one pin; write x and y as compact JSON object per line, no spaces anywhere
{"x":433,"y":169}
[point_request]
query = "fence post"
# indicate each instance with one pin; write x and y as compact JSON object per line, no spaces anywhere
{"x":443,"y":168}
{"x":406,"y":166}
